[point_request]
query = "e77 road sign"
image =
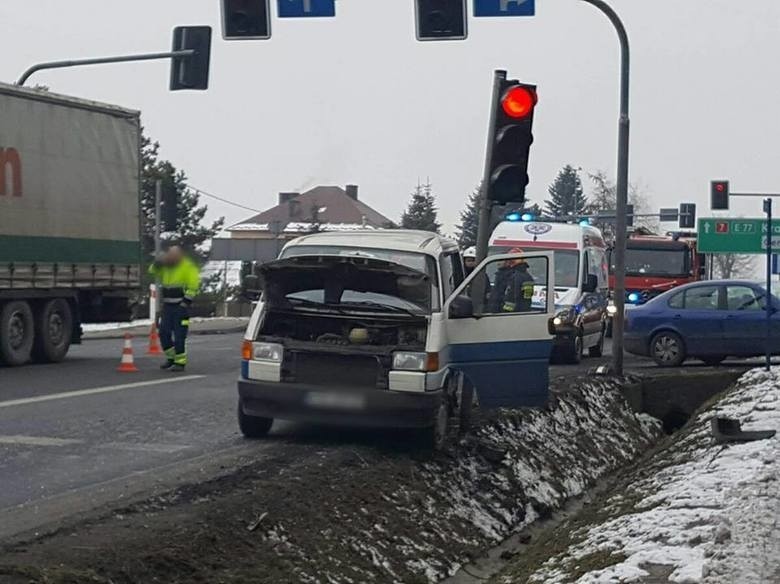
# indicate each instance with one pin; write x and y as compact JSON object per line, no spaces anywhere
{"x":504,"y":7}
{"x":737,"y":236}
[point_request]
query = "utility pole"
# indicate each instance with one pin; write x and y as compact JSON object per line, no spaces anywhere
{"x":622,"y":186}
{"x":768,"y":299}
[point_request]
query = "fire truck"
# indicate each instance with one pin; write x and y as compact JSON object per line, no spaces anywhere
{"x":657,"y":263}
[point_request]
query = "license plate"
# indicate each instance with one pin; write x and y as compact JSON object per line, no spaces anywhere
{"x":336,"y":401}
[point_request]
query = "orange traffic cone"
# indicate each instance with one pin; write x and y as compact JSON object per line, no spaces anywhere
{"x":154,"y":341}
{"x":127,"y":364}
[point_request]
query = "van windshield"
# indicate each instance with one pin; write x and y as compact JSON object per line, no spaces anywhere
{"x":567,"y":264}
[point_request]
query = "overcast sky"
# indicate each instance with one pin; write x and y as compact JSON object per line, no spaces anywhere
{"x":357,"y":99}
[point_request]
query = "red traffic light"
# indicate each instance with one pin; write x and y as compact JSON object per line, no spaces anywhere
{"x":720,"y":187}
{"x":518,"y":102}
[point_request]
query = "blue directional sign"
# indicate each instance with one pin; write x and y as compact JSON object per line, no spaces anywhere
{"x":306,"y":8}
{"x":504,"y":7}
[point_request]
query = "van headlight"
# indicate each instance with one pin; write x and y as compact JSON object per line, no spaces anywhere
{"x":565,"y":316}
{"x":267,"y":352}
{"x":409,"y":361}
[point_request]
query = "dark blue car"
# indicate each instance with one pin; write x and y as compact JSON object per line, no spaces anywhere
{"x":708,"y":320}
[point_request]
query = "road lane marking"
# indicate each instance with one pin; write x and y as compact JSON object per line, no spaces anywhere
{"x":95,"y":390}
{"x":37,"y":441}
{"x":153,"y":447}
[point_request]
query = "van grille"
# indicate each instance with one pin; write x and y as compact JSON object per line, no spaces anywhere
{"x":337,"y":370}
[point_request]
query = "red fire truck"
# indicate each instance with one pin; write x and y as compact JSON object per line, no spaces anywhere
{"x":656,"y":263}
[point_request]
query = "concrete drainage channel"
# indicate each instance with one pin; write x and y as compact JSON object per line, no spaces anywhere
{"x":672,"y":397}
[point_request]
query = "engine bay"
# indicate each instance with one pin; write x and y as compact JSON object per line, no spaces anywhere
{"x":375,"y":333}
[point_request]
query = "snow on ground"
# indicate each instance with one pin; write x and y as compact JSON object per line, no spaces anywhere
{"x":698,"y":512}
{"x":111,"y":326}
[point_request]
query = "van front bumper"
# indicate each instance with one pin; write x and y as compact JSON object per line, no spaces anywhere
{"x":373,"y":408}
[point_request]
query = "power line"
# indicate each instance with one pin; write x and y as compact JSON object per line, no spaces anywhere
{"x":223,"y":200}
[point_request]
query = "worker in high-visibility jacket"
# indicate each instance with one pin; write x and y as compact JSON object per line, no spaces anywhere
{"x":179,"y":278}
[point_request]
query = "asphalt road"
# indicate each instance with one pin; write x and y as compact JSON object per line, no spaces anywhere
{"x":79,"y":434}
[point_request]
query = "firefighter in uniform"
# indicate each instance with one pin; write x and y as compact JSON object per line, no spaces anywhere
{"x":179,"y":277}
{"x":513,"y":289}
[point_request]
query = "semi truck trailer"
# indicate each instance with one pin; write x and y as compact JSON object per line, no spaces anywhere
{"x":69,"y":220}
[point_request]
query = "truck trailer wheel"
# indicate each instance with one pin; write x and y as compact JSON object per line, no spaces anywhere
{"x":53,"y":331}
{"x":16,"y":333}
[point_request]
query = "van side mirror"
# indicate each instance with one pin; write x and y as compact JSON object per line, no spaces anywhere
{"x":461,"y":307}
{"x":251,"y":288}
{"x":591,"y":284}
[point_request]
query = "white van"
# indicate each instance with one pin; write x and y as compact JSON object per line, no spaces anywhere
{"x":379,"y":328}
{"x":581,"y":280}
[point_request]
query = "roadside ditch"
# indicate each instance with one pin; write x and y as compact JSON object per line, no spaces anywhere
{"x":346,"y":509}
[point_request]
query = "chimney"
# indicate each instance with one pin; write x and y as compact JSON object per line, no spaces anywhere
{"x":352,"y":192}
{"x":285,"y":197}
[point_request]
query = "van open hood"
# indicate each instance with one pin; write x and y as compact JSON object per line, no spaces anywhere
{"x":335,"y":274}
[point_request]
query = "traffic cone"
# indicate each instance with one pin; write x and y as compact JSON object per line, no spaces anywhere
{"x":154,"y":341}
{"x":127,"y":364}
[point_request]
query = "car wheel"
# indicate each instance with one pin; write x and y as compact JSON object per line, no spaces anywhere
{"x":53,"y":331}
{"x":597,"y":350}
{"x":572,"y":350}
{"x":253,"y":426}
{"x":713,"y":360}
{"x":16,"y":333}
{"x":667,"y":349}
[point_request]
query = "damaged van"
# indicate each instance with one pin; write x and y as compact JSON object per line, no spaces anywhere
{"x":380,"y":328}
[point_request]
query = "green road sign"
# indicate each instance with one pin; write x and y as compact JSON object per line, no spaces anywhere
{"x":736,"y":235}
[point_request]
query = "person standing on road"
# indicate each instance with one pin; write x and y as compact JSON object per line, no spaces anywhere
{"x":513,"y":289}
{"x":179,"y":277}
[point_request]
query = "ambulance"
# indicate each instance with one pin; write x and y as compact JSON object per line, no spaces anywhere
{"x":581,"y":280}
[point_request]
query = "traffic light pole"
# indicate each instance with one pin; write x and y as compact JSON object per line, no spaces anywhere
{"x":485,"y":205}
{"x":622,"y":186}
{"x":103,"y":61}
{"x":768,"y":302}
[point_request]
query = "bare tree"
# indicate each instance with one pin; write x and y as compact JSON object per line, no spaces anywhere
{"x":733,"y":265}
{"x":603,"y":197}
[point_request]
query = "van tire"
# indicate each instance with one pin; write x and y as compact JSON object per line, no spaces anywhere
{"x":53,"y":331}
{"x":17,"y":333}
{"x":436,"y":436}
{"x":253,"y":427}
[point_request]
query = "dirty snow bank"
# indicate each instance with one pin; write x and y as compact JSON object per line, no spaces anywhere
{"x":519,"y":467}
{"x":347,"y":512}
{"x":698,"y":512}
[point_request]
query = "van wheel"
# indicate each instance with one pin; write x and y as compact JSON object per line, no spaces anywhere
{"x":53,"y":331}
{"x":253,"y":426}
{"x":16,"y":333}
{"x":435,"y":436}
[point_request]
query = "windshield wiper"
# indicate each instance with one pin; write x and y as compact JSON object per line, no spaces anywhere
{"x":373,"y":304}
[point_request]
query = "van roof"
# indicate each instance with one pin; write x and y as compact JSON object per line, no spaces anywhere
{"x":391,"y":239}
{"x":541,"y":234}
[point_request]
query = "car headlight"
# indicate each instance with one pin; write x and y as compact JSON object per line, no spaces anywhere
{"x":611,"y":309}
{"x":565,"y":316}
{"x":267,"y":352}
{"x":408,"y":361}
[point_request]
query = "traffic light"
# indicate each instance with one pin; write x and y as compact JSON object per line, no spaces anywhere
{"x":511,"y":138}
{"x":441,"y":20}
{"x":169,"y":208}
{"x":191,"y":72}
{"x":719,"y":195}
{"x":629,"y":215}
{"x":246,"y":19}
{"x":687,"y":215}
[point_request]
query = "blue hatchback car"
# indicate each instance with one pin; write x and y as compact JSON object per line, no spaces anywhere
{"x":708,"y":320}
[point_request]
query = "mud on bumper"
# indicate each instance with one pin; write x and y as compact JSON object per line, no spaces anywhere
{"x":373,"y":408}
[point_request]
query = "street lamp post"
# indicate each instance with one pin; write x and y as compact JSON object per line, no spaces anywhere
{"x":622,"y":187}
